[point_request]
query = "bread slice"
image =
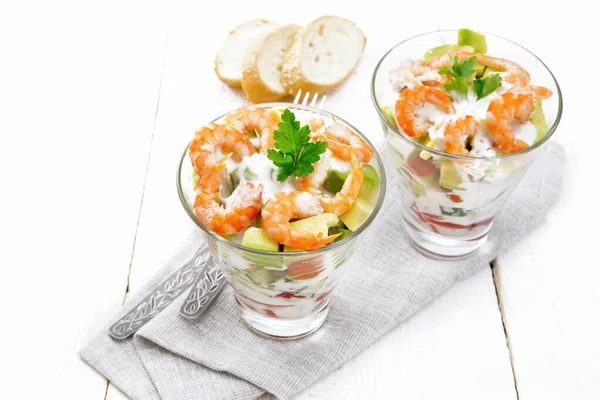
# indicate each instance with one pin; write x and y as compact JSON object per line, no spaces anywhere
{"x":261,"y":77}
{"x":322,"y":55}
{"x":229,"y":61}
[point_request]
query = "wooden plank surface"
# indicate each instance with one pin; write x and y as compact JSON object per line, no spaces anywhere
{"x":78,"y":91}
{"x":548,"y":283}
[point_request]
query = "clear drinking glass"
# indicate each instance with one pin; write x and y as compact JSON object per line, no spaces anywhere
{"x":270,"y":302}
{"x":449,"y":202}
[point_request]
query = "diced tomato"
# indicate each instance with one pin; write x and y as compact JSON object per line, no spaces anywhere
{"x":421,"y":167}
{"x":271,"y":313}
{"x":455,"y":198}
{"x":288,"y":295}
{"x":305,"y":269}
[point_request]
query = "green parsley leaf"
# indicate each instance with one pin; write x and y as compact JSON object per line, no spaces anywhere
{"x":295,"y":154}
{"x":458,"y":84}
{"x":460,"y":70}
{"x":487,"y":85}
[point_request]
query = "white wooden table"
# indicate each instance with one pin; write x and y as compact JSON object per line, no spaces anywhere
{"x":97,"y":101}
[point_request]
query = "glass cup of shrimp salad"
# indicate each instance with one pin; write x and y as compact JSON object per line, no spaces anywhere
{"x":282,"y":193}
{"x":464,"y":114}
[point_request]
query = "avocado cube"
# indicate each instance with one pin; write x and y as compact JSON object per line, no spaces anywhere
{"x":467,"y":37}
{"x":357,"y":214}
{"x":369,"y":190}
{"x":538,"y":119}
{"x":260,"y":275}
{"x":256,"y":238}
{"x":335,"y":180}
{"x":449,"y":176}
{"x":315,"y":225}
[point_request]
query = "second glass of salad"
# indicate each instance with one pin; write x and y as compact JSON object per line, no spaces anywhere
{"x":282,"y":193}
{"x":465,"y":114}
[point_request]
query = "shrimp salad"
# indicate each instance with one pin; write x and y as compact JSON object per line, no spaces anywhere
{"x":237,"y":191}
{"x":459,"y":100}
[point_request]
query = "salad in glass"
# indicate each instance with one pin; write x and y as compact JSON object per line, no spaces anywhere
{"x":463,"y":126}
{"x":282,"y":191}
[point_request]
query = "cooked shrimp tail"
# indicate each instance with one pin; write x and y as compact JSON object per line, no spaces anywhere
{"x":282,"y":208}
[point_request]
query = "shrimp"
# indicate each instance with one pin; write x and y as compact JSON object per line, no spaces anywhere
{"x":515,"y":74}
{"x":343,"y":142}
{"x":212,"y":141}
{"x":285,"y":206}
{"x":457,"y":132}
{"x":242,"y":206}
{"x":443,"y":60}
{"x":263,"y":121}
{"x":314,"y":181}
{"x":345,"y":198}
{"x":315,"y":124}
{"x":516,"y":104}
{"x":415,"y":75}
{"x":410,"y":100}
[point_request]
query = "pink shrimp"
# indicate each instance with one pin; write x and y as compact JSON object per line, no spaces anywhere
{"x":346,"y":197}
{"x":457,"y":132}
{"x":211,"y":142}
{"x":343,"y":142}
{"x":410,"y":100}
{"x":261,"y":120}
{"x":516,"y":104}
{"x":242,"y":206}
{"x":285,"y":206}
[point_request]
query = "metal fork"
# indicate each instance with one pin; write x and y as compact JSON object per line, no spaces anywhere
{"x":313,"y":102}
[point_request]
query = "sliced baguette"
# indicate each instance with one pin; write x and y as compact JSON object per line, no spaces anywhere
{"x":322,"y":55}
{"x":261,"y":78}
{"x":229,"y":61}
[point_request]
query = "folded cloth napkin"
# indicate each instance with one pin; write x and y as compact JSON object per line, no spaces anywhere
{"x":387,"y":280}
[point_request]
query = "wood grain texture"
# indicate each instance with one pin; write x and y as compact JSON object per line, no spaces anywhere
{"x":548,"y":283}
{"x":77,"y":104}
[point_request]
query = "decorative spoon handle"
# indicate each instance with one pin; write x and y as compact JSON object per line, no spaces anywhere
{"x":208,"y":286}
{"x":161,"y":296}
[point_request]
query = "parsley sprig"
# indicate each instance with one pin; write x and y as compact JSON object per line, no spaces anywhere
{"x":460,"y":70}
{"x":487,"y":85}
{"x":295,"y":154}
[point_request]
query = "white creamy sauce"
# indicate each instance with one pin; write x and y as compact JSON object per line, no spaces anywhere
{"x":339,"y":165}
{"x":258,"y":169}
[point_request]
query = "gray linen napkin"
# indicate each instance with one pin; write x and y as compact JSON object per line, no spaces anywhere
{"x":217,"y":357}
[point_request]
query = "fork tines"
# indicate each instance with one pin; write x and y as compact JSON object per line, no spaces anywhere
{"x":305,"y":101}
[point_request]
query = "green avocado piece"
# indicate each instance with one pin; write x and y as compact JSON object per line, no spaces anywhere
{"x":260,"y":275}
{"x":357,"y":214}
{"x":538,"y":119}
{"x":315,"y":225}
{"x":467,"y":37}
{"x":449,"y":176}
{"x":479,"y":70}
{"x":335,"y":180}
{"x":439,"y":50}
{"x":256,"y":238}
{"x":370,"y":187}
